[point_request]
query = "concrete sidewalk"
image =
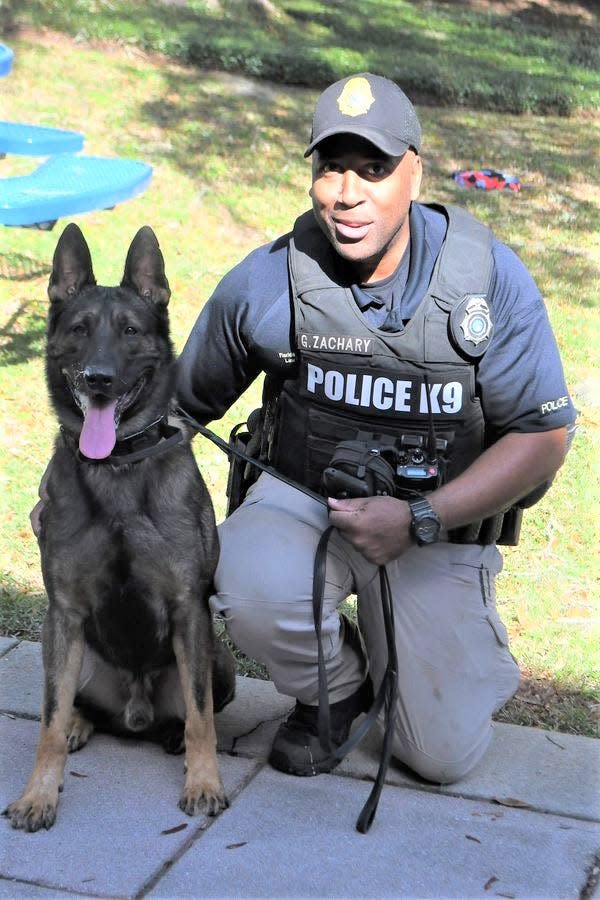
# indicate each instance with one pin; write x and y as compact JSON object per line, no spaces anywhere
{"x":523,"y":825}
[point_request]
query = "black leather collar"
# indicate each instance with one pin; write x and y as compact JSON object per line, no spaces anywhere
{"x":156,"y":438}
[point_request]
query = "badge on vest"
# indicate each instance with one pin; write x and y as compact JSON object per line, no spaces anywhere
{"x":471,"y":325}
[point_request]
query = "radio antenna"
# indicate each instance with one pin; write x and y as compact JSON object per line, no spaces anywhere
{"x":431,"y":439}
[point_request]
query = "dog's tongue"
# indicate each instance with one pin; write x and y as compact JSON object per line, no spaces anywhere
{"x":98,"y":435}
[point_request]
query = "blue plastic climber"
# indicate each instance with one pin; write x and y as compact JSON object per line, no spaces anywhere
{"x":34,"y":140}
{"x":67,"y":183}
{"x":6,"y":59}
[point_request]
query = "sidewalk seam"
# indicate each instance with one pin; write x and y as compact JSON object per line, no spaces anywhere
{"x":197,"y":833}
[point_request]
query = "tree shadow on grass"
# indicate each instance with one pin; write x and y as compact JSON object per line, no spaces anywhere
{"x":224,"y":131}
{"x":543,"y":703}
{"x":18,"y":267}
{"x":441,"y":53}
{"x":236,"y":138}
{"x":22,"y":610}
{"x":232,"y":122}
{"x":22,"y":336}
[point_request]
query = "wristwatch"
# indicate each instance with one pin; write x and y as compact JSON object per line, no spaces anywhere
{"x":426,"y":525}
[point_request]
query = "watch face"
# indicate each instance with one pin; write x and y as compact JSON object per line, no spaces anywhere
{"x":427,"y":530}
{"x":425,"y":526}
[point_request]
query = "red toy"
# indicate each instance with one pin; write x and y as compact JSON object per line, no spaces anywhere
{"x":487,"y":180}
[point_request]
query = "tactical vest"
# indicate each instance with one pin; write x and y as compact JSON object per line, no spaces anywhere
{"x":353,"y":379}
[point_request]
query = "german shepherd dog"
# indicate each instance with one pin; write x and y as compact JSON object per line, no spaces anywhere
{"x":127,"y":538}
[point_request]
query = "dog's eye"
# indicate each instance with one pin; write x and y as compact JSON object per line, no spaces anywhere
{"x":79,"y":328}
{"x":129,"y":329}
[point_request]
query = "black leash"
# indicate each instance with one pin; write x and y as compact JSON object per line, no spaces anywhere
{"x":387,"y":693}
{"x":233,"y":451}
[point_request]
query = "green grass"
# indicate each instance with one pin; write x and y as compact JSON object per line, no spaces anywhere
{"x":229,"y":174}
{"x":448,"y":53}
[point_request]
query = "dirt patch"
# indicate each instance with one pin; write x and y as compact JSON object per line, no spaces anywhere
{"x":46,"y":37}
{"x":541,"y":703}
{"x":548,"y":13}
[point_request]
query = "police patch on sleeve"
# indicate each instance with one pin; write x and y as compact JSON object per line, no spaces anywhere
{"x":471,"y":325}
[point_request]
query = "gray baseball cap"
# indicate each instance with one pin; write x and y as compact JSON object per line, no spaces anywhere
{"x":370,"y":106}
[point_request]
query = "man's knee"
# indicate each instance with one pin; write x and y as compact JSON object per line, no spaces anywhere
{"x":442,"y":761}
{"x":249,"y":625}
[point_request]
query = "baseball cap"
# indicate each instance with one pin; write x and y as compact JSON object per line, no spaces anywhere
{"x":370,"y":106}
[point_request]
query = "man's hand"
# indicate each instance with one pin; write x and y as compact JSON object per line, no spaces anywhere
{"x":378,"y":527}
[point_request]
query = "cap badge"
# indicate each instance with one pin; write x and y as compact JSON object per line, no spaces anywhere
{"x":477,"y":323}
{"x":356,"y":97}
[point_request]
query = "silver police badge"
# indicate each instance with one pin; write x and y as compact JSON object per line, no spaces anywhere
{"x":477,"y":323}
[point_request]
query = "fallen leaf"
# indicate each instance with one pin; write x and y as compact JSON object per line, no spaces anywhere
{"x":235,"y":846}
{"x":490,"y":882}
{"x":175,"y":829}
{"x":470,"y":837}
{"x":512,"y":801}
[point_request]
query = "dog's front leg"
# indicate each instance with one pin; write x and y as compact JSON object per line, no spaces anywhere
{"x":63,"y":652}
{"x":203,"y":790}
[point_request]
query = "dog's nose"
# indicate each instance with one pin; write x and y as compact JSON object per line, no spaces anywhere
{"x":99,"y":378}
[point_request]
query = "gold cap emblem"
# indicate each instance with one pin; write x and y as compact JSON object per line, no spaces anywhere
{"x":356,"y":98}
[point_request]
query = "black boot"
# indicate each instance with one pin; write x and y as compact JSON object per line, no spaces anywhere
{"x":296,"y":748}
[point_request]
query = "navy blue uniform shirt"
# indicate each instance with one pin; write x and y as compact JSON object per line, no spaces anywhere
{"x":245,"y":329}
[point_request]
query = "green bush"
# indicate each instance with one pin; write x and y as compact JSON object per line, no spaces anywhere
{"x":443,"y":54}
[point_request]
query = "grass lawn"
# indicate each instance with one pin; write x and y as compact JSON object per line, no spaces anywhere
{"x":228,"y":175}
{"x":510,"y":57}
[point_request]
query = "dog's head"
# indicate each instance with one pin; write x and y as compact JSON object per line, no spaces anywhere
{"x":109,"y":364}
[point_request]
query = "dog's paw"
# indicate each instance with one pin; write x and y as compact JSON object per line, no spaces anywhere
{"x":79,"y":732}
{"x":173,"y":739}
{"x":31,"y":814}
{"x":208,"y":800}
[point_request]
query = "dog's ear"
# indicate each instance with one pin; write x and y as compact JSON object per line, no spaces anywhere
{"x":71,"y":265}
{"x":145,"y":268}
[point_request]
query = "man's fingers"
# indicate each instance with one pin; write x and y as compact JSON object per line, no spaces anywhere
{"x":349,"y":505}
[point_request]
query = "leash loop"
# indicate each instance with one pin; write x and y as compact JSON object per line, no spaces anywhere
{"x":388,"y":690}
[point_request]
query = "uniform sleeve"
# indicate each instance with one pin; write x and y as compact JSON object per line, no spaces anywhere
{"x":225,"y":350}
{"x":215,"y":367}
{"x":520,"y":377}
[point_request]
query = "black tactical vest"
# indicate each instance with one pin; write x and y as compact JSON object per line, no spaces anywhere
{"x":353,"y":379}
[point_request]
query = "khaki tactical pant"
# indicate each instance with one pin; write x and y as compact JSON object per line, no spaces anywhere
{"x":454,"y":666}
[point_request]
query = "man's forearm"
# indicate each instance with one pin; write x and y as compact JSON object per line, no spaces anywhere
{"x":379,"y":527}
{"x":507,"y":471}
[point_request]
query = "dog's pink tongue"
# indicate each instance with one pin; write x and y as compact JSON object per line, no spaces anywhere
{"x":98,"y":435}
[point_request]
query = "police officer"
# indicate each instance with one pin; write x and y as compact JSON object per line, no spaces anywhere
{"x":384,"y":320}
